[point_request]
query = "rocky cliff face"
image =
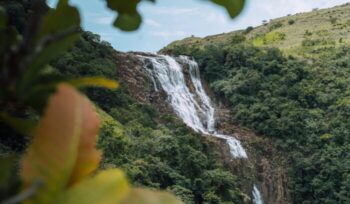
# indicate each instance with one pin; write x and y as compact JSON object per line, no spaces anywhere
{"x":265,"y":167}
{"x":130,"y":68}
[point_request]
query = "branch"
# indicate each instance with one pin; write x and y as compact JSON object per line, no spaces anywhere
{"x":56,"y":37}
{"x":16,"y":60}
{"x":25,"y":194}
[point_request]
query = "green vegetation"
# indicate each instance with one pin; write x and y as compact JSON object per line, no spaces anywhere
{"x":285,"y":80}
{"x":271,"y":37}
{"x":301,"y":104}
{"x":54,"y":155}
{"x":295,"y":27}
{"x":165,"y":155}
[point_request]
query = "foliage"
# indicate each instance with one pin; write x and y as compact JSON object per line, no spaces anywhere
{"x":155,"y":150}
{"x":66,"y":175}
{"x":302,"y":105}
{"x":291,"y":21}
{"x":248,"y":29}
{"x":129,"y":18}
{"x":275,"y":25}
{"x":333,"y":20}
{"x":292,"y":44}
{"x":269,"y":38}
{"x":58,"y":164}
{"x":238,"y":39}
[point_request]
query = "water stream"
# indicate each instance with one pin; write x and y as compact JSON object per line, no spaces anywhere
{"x":257,"y":198}
{"x":194,"y":108}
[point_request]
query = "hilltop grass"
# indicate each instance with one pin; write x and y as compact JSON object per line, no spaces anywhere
{"x":332,"y":24}
{"x":289,"y":81}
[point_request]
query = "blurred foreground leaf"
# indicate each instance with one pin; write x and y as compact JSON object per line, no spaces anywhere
{"x":128,"y":22}
{"x":58,"y":32}
{"x":62,"y":157}
{"x":3,"y":18}
{"x":129,"y":19}
{"x":233,"y":7}
{"x":63,"y":144}
{"x":22,"y":126}
{"x":94,"y":81}
{"x":144,"y":196}
{"x":109,"y":186}
{"x":6,"y":168}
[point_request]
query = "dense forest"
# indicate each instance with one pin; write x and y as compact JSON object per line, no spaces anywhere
{"x":300,"y":103}
{"x":156,"y":150}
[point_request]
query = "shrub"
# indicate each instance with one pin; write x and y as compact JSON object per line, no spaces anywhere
{"x":291,"y":22}
{"x":238,"y":38}
{"x":307,"y":33}
{"x":315,"y":42}
{"x":276,"y":25}
{"x":248,"y":30}
{"x":333,"y":20}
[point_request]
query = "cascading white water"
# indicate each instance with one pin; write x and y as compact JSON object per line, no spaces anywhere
{"x":257,"y":198}
{"x":195,"y":109}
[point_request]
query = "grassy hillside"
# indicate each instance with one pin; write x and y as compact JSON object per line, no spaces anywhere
{"x":298,"y":34}
{"x":289,"y":80}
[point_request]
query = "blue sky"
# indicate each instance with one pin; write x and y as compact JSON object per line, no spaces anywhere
{"x":170,"y":20}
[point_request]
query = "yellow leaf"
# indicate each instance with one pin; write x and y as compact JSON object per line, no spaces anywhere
{"x":108,"y":187}
{"x":94,"y":81}
{"x":88,"y":156}
{"x":66,"y":131}
{"x":144,"y":196}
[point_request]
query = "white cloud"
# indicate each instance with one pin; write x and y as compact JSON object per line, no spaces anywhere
{"x":152,"y":23}
{"x":172,"y":10}
{"x":109,"y":36}
{"x":168,"y":34}
{"x":276,"y":8}
{"x":215,"y":17}
{"x":103,"y":20}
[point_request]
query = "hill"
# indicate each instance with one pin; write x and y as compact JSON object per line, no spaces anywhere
{"x":300,"y":34}
{"x":289,"y":81}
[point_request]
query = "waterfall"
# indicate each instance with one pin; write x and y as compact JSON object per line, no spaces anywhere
{"x":195,"y":109}
{"x":257,"y":198}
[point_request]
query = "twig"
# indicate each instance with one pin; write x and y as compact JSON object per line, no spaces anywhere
{"x":56,"y":37}
{"x":25,"y":194}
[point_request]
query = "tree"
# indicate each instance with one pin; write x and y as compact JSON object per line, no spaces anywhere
{"x":32,"y":35}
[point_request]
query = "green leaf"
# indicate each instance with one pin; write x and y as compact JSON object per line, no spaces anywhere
{"x":7,"y":165}
{"x":128,"y":21}
{"x":20,"y":125}
{"x":3,"y":18}
{"x":55,"y":31}
{"x":109,"y":186}
{"x":123,"y":7}
{"x":41,"y":89}
{"x":128,"y":17}
{"x":233,"y":7}
{"x":59,"y":19}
